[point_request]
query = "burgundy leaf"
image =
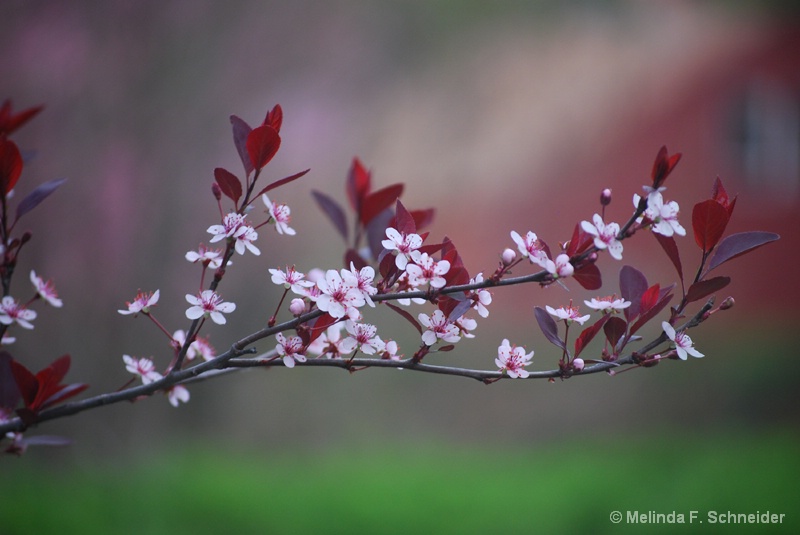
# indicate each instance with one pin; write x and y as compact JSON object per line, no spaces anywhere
{"x":230,"y":186}
{"x":281,"y":182}
{"x":580,"y":241}
{"x":64,"y":393}
{"x":709,"y":219}
{"x":411,"y":319}
{"x":274,"y":118}
{"x":10,"y":165}
{"x":739,"y":244}
{"x":448,"y":347}
{"x":671,"y":248}
{"x":262,"y":144}
{"x":27,"y":383}
{"x":663,"y":166}
{"x":378,"y":201}
{"x":614,"y":330}
{"x":548,"y":327}
{"x":404,"y":222}
{"x":701,"y":289}
{"x":719,"y":194}
{"x":632,"y":285}
{"x":665,"y":296}
{"x":35,"y":197}
{"x":588,"y":276}
{"x":319,"y":327}
{"x":9,"y":122}
{"x":649,"y":298}
{"x":240,"y":132}
{"x":423,"y":218}
{"x":358,"y":184}
{"x":589,"y":333}
{"x":334,"y":212}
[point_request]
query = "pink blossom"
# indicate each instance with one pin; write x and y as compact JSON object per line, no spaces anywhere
{"x":426,"y":270}
{"x":142,"y":303}
{"x":663,"y":217}
{"x":143,"y":367}
{"x":11,"y":311}
{"x":563,"y":267}
{"x":338,"y":298}
{"x":508,"y":256}
{"x":331,"y":345}
{"x":608,"y":304}
{"x":512,"y":360}
{"x":280,"y":214}
{"x":208,"y":257}
{"x":533,"y":249}
{"x":46,"y":290}
{"x":177,"y":394}
{"x":245,"y":236}
{"x":291,"y":278}
{"x":297,"y":306}
{"x":466,"y":326}
{"x":402,"y":244}
{"x":683,"y":344}
{"x":439,"y":328}
{"x":291,"y":350}
{"x":209,"y":304}
{"x":605,"y":235}
{"x":364,"y":336}
{"x":568,"y":314}
{"x":390,"y":351}
{"x":481,"y":298}
{"x":362,"y":281}
{"x":200,"y":347}
{"x":234,"y":227}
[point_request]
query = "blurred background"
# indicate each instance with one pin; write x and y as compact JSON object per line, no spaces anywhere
{"x":503,"y":116}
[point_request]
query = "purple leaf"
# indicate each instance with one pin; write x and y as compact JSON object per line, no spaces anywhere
{"x":240,"y":132}
{"x":739,"y":244}
{"x":589,"y":277}
{"x":632,"y":285}
{"x":671,"y":248}
{"x":405,"y":223}
{"x":281,"y":182}
{"x":33,"y":198}
{"x":230,"y":186}
{"x":548,"y":326}
{"x":703,"y":288}
{"x":461,"y":308}
{"x":376,"y":231}
{"x":614,"y":330}
{"x":333,"y":211}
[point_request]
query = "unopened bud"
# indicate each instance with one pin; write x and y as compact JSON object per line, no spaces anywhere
{"x":578,"y":364}
{"x":26,"y":237}
{"x":216,"y":191}
{"x":605,"y":197}
{"x":297,"y":306}
{"x":728,"y":303}
{"x":508,"y":256}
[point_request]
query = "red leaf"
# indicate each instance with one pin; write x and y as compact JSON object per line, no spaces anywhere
{"x":64,"y":393}
{"x":35,"y":197}
{"x":709,"y":219}
{"x":719,"y":194}
{"x":632,"y":285}
{"x":378,"y":201}
{"x":664,"y":297}
{"x":230,"y":186}
{"x":274,"y":118}
{"x":739,"y":244}
{"x":358,"y":184}
{"x":9,"y":122}
{"x":240,"y":132}
{"x":580,"y":241}
{"x":671,"y":248}
{"x":588,"y":276}
{"x":404,"y":222}
{"x":423,"y":218}
{"x":262,"y":144}
{"x":411,"y":319}
{"x":322,"y":323}
{"x":701,"y":289}
{"x":334,"y":212}
{"x":589,"y":333}
{"x":614,"y":330}
{"x":649,"y":298}
{"x":548,"y":326}
{"x":663,"y":166}
{"x":281,"y":182}
{"x":10,"y":165}
{"x":27,"y":383}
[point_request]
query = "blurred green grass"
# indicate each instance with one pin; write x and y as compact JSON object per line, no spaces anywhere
{"x":568,"y":487}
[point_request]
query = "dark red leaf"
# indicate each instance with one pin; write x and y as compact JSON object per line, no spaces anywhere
{"x":614,"y":330}
{"x":411,"y":319}
{"x":27,"y":383}
{"x":664,"y":297}
{"x":632,"y":285}
{"x":719,"y":194}
{"x":334,"y":212}
{"x":589,"y":333}
{"x":739,"y":244}
{"x":351,"y":256}
{"x":230,"y":186}
{"x":423,"y":218}
{"x":274,"y":118}
{"x":663,"y":166}
{"x":404,"y":222}
{"x":709,"y":219}
{"x":63,"y":394}
{"x":701,"y":289}
{"x":671,"y":248}
{"x":649,"y":298}
{"x":588,"y":276}
{"x":378,"y":201}
{"x":9,"y":122}
{"x":35,"y":197}
{"x":580,"y":241}
{"x":281,"y":182}
{"x":10,"y":165}
{"x":322,"y":323}
{"x":262,"y":144}
{"x":359,"y":183}
{"x":240,"y":132}
{"x":548,"y":326}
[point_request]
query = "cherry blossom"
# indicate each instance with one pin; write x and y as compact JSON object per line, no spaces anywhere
{"x":142,"y":303}
{"x":533,"y":249}
{"x":664,"y":217}
{"x":297,"y":306}
{"x":568,"y":314}
{"x":605,"y":235}
{"x":363,"y":334}
{"x":512,"y":360}
{"x":683,"y":344}
{"x":338,"y":298}
{"x":208,"y":257}
{"x":362,"y":281}
{"x":231,"y":223}
{"x":46,"y":290}
{"x":143,"y":367}
{"x":563,"y":267}
{"x":177,"y":394}
{"x":439,"y":328}
{"x":245,"y":237}
{"x":466,"y":326}
{"x":291,"y":350}
{"x":281,"y":215}
{"x":608,"y":305}
{"x":291,"y":278}
{"x":11,"y":311}
{"x":200,"y":347}
{"x":481,"y":298}
{"x":209,"y":304}
{"x":390,"y":351}
{"x":403,"y":245}
{"x":331,"y":345}
{"x":426,"y":270}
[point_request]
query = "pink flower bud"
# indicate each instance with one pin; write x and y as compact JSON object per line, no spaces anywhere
{"x":297,"y":306}
{"x":728,"y":303}
{"x":215,"y":189}
{"x":605,"y":197}
{"x":508,"y":256}
{"x":578,"y":364}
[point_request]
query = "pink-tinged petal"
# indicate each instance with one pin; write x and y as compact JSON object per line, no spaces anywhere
{"x":429,"y":338}
{"x":288,"y":361}
{"x":194,"y":312}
